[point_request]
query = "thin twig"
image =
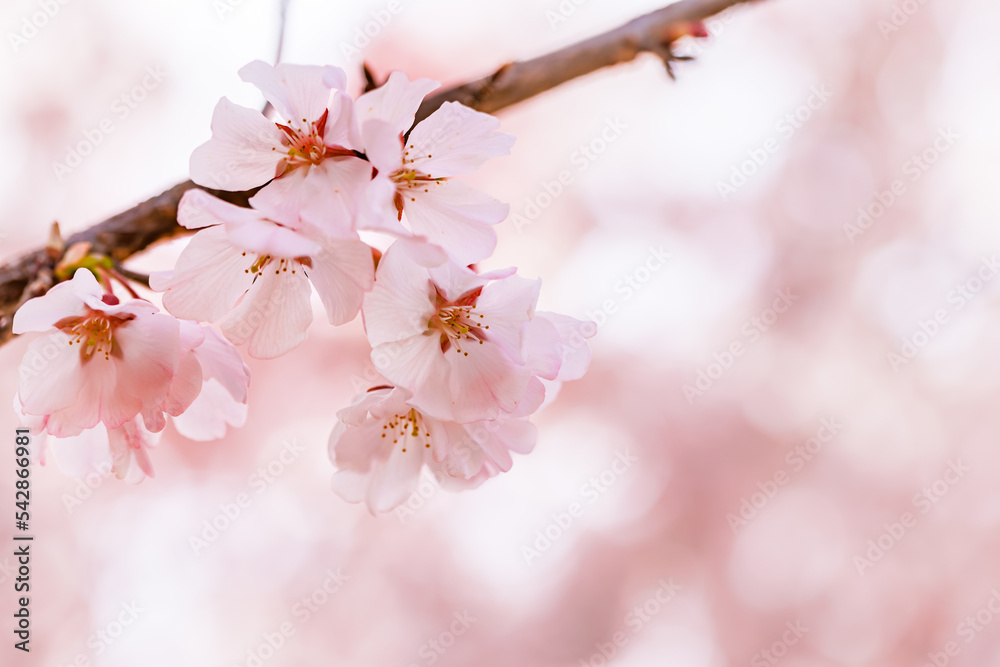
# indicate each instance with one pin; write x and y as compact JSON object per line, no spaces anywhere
{"x":282,"y":24}
{"x":136,"y":229}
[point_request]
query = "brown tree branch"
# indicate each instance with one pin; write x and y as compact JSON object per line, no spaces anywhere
{"x":515,"y":82}
{"x":136,"y":229}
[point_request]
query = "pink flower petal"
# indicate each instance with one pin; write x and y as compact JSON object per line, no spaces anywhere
{"x":83,"y":454}
{"x":535,"y":395}
{"x":575,"y":351}
{"x":543,"y":348}
{"x":376,"y":210}
{"x":399,"y":304}
{"x":222,"y":362}
{"x":508,"y":305}
{"x":145,"y":370}
{"x":395,"y":102}
{"x":273,"y":316}
{"x":208,"y":417}
{"x":94,"y":401}
{"x":383,"y":146}
{"x":371,"y":468}
{"x":199,"y":209}
{"x":51,"y":378}
{"x":456,"y":140}
{"x":455,"y":217}
{"x":341,"y":126}
{"x":331,"y":194}
{"x":209,"y":278}
{"x":63,"y":300}
{"x":357,"y":413}
{"x":342,"y":274}
{"x":416,"y":363}
{"x":244,"y":151}
{"x":486,"y":382}
{"x":299,"y":93}
{"x":264,"y":237}
{"x":184,"y":389}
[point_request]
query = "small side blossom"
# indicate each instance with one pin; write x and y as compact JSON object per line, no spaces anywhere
{"x":101,"y":360}
{"x":252,"y":275}
{"x":121,"y":451}
{"x":222,"y":401}
{"x":210,"y":390}
{"x":382,"y":443}
{"x":452,"y":337}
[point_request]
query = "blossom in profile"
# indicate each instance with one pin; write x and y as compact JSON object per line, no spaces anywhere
{"x":222,"y":401}
{"x":382,"y":443}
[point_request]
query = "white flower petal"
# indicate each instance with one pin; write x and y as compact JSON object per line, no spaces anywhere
{"x":62,"y":301}
{"x":244,"y":151}
{"x":483,"y":383}
{"x":199,"y":209}
{"x":455,"y":217}
{"x":342,"y":274}
{"x":222,"y":362}
{"x":508,"y":305}
{"x":400,"y":304}
{"x":264,"y":237}
{"x":331,"y":195}
{"x":208,"y":280}
{"x":274,"y":315}
{"x":210,"y":414}
{"x":456,"y":140}
{"x":394,"y":102}
{"x":299,"y":93}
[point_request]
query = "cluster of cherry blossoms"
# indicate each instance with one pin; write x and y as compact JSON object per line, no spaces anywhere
{"x":465,"y":356}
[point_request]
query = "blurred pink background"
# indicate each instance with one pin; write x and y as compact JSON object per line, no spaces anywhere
{"x":807,"y":500}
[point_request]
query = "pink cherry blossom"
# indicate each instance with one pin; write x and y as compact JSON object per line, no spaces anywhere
{"x":450,"y":336}
{"x":106,"y":361}
{"x":207,"y":394}
{"x":209,"y":391}
{"x":414,"y":178}
{"x":383,"y":442}
{"x":122,"y":451}
{"x":313,"y":142}
{"x":253,"y":274}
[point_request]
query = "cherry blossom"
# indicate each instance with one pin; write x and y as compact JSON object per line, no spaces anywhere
{"x":453,"y":338}
{"x":382,"y":443}
{"x":466,"y":357}
{"x":222,"y":401}
{"x":210,"y":390}
{"x":208,"y":393}
{"x":312,"y":143}
{"x":121,"y":451}
{"x":557,"y":352}
{"x":102,"y":360}
{"x":252,"y":275}
{"x":414,"y":175}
